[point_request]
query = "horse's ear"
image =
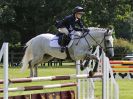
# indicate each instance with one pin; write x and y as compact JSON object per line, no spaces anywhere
{"x":109,"y":31}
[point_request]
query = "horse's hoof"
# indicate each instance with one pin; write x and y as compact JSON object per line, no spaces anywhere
{"x":91,"y":73}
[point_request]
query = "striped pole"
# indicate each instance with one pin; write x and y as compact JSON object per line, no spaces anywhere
{"x":29,"y":88}
{"x":115,"y":66}
{"x":122,"y":71}
{"x":121,"y":62}
{"x":50,"y":78}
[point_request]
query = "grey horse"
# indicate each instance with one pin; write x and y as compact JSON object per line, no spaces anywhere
{"x":38,"y":49}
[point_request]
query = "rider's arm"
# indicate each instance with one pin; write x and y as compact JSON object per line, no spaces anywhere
{"x":80,"y":23}
{"x":80,"y":26}
{"x":69,"y":21}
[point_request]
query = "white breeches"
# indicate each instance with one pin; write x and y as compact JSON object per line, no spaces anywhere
{"x":63,"y":30}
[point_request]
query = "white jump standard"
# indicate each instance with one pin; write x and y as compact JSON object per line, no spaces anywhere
{"x":104,"y":75}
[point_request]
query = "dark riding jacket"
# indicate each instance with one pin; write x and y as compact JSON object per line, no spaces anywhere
{"x":71,"y":23}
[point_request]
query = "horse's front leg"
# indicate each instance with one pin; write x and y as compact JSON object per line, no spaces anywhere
{"x":94,"y":57}
{"x":92,"y":73}
{"x":87,"y":60}
{"x":83,"y":66}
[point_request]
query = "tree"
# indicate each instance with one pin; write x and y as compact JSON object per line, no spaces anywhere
{"x":32,"y":18}
{"x":24,"y":19}
{"x":104,"y":13}
{"x":7,"y":15}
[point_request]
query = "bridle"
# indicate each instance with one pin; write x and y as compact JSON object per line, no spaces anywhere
{"x":99,"y":44}
{"x":106,"y":34}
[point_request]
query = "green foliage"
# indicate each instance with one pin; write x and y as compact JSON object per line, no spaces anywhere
{"x":32,"y":18}
{"x":118,"y":13}
{"x":7,"y":14}
{"x":122,"y":47}
{"x":28,"y":18}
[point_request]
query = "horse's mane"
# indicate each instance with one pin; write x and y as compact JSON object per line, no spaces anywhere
{"x":96,"y":29}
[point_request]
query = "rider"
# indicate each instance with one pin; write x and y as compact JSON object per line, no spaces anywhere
{"x":70,"y":23}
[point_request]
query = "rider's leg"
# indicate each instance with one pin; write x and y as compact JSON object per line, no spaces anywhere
{"x":63,"y":40}
{"x":65,"y":33}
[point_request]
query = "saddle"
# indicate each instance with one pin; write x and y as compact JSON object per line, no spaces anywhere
{"x":64,"y":39}
{"x":56,"y":40}
{"x":60,"y":40}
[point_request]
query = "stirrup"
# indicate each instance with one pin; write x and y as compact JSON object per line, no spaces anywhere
{"x":63,"y":49}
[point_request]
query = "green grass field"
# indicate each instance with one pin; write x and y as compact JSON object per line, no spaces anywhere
{"x":126,"y":86}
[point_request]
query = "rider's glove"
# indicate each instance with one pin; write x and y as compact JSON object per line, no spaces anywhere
{"x":85,"y":30}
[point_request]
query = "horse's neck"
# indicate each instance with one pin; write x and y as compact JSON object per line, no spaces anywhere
{"x":94,"y":37}
{"x":91,"y":39}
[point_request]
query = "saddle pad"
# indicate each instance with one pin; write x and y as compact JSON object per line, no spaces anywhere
{"x":54,"y":42}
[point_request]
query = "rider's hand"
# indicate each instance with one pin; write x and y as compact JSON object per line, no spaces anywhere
{"x":85,"y":30}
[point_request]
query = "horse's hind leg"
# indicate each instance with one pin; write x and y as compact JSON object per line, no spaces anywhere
{"x":33,"y":64}
{"x":37,"y":60}
{"x":35,"y":71}
{"x":31,"y":69}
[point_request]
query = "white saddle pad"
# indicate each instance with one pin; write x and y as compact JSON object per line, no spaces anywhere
{"x":54,"y":42}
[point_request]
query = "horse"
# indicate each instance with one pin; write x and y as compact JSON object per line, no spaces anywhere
{"x":39,"y":50}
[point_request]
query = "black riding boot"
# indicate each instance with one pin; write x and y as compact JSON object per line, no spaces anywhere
{"x":63,"y":41}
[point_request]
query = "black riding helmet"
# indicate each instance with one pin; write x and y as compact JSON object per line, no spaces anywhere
{"x":78,"y":9}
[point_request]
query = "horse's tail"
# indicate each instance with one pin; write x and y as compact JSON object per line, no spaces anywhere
{"x":27,"y":56}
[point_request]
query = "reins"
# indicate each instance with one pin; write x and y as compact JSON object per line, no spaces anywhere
{"x":87,"y":33}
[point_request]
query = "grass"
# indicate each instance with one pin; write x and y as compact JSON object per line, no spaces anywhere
{"x":126,"y":86}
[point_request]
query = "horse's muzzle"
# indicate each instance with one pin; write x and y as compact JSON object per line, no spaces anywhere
{"x":110,"y":52}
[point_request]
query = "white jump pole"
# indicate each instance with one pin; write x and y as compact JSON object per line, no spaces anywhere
{"x":78,"y":80}
{"x":5,"y":61}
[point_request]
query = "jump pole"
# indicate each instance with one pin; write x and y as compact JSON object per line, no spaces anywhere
{"x":50,"y":78}
{"x":29,"y":88}
{"x":115,"y":66}
{"x":122,"y":71}
{"x":121,"y":62}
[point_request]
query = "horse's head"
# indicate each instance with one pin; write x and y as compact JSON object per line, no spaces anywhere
{"x":103,"y":38}
{"x":108,"y":43}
